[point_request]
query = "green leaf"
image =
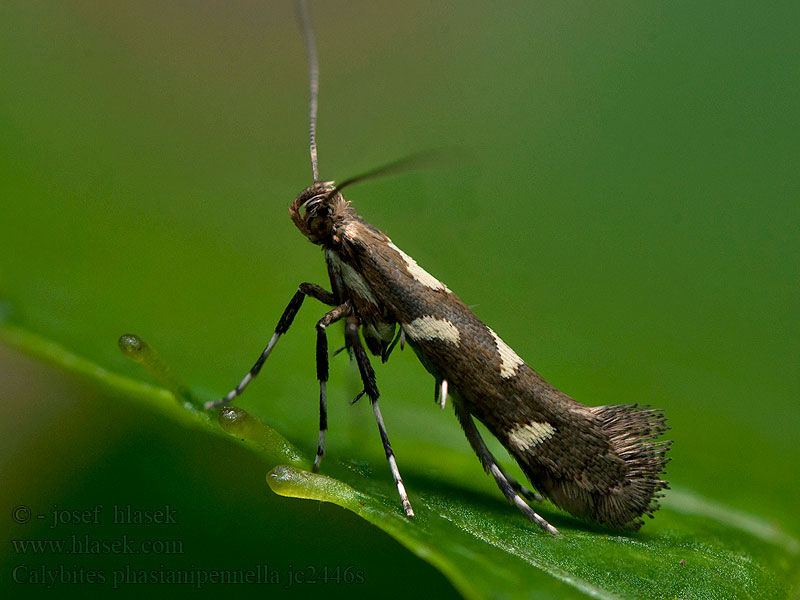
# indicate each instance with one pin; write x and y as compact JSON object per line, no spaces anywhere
{"x":695,"y":549}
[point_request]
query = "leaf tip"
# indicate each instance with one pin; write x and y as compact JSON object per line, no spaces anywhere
{"x":139,"y":351}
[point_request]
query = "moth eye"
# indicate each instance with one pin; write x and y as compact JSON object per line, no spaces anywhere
{"x":320,"y":226}
{"x":316,"y":212}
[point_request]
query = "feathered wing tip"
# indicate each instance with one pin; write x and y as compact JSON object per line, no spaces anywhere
{"x":613,"y":477}
{"x":633,"y":432}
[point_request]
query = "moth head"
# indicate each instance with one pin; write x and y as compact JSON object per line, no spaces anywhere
{"x":318,"y":211}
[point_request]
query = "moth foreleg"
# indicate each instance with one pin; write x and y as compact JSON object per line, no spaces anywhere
{"x":305,"y":289}
{"x":318,"y":293}
{"x":371,"y":389}
{"x":504,"y":482}
{"x":322,"y":375}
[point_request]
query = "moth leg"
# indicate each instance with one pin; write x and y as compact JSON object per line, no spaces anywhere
{"x":318,"y":293}
{"x":322,"y":375}
{"x":401,"y":337}
{"x":519,"y":488}
{"x":401,"y":489}
{"x":490,"y":466}
{"x":371,"y":389}
{"x":362,"y":360}
{"x":440,"y":394}
{"x":305,"y":289}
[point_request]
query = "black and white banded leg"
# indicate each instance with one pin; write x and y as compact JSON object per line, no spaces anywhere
{"x":440,"y":397}
{"x":305,"y":289}
{"x":371,"y":389}
{"x":322,"y":375}
{"x":517,"y":487}
{"x":490,"y":465}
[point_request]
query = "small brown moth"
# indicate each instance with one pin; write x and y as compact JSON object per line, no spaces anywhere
{"x":600,"y":463}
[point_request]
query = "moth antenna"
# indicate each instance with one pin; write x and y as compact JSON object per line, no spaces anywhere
{"x":426,"y":158}
{"x":313,"y":82}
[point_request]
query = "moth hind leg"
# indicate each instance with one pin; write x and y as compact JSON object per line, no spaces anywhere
{"x":521,"y":489}
{"x":510,"y":488}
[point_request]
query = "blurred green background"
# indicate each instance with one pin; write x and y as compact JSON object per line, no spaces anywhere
{"x":623,"y":211}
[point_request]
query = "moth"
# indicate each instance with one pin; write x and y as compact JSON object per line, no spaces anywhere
{"x":601,"y":463}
